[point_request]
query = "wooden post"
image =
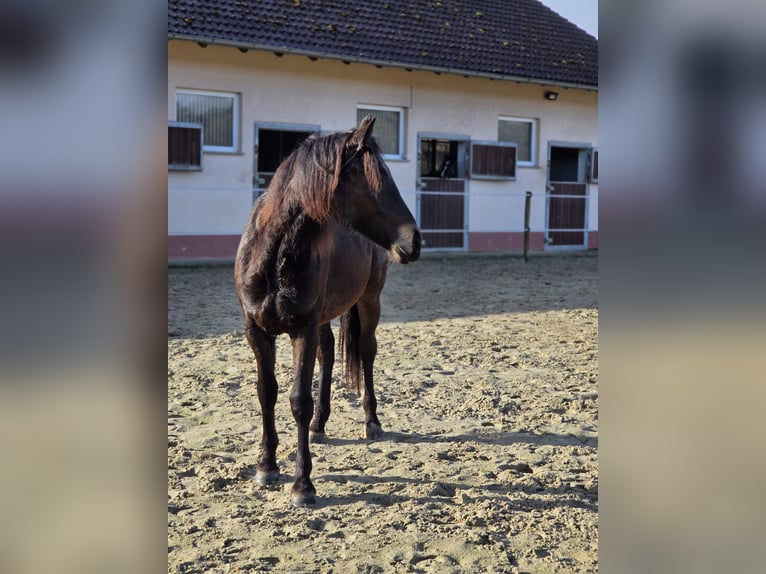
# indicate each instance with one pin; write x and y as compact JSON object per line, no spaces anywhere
{"x":527,"y":204}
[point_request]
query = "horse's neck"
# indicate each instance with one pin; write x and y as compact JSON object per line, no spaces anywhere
{"x":286,"y":240}
{"x":297,"y":230}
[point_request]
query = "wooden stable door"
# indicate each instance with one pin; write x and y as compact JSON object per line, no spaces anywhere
{"x":566,"y":214}
{"x":442,"y":212}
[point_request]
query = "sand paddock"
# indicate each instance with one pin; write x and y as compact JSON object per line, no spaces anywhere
{"x":486,"y":380}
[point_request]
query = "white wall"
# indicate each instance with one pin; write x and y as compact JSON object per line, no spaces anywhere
{"x":294,"y":89}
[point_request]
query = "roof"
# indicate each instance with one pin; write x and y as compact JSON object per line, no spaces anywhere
{"x":520,"y":40}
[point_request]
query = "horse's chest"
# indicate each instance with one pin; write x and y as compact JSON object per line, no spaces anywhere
{"x":316,"y":283}
{"x":286,"y":307}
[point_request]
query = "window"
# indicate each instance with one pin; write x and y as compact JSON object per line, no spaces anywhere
{"x":441,"y":158}
{"x":218,"y":112}
{"x":389,"y":128}
{"x":493,"y":160}
{"x":594,"y":165}
{"x":522,"y":132}
{"x":273,"y":143}
{"x":569,"y":164}
{"x":184,"y":146}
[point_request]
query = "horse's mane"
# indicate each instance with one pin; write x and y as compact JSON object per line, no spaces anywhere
{"x":311,"y":175}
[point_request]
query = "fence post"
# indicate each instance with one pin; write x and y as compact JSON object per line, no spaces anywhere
{"x":527,"y":203}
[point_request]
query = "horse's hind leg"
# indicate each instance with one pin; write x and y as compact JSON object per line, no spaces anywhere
{"x":264,"y":348}
{"x":369,"y":315}
{"x":326,"y":356}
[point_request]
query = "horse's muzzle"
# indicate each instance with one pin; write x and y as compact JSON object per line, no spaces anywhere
{"x":407,"y":248}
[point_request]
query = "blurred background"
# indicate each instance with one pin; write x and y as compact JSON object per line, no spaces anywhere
{"x":682,"y":112}
{"x":83,"y":259}
{"x":82,"y":296}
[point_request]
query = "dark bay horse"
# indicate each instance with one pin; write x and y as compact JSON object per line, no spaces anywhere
{"x":316,"y":247}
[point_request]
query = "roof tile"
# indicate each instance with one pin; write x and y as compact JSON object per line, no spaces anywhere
{"x":504,"y":38}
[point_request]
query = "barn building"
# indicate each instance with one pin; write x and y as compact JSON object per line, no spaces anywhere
{"x":477,"y":102}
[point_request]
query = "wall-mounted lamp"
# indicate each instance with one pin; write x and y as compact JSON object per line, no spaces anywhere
{"x":551,"y":96}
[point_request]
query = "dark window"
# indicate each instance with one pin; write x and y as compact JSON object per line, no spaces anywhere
{"x":184,"y":146}
{"x":275,"y":145}
{"x":565,"y":164}
{"x":594,"y":165}
{"x":439,"y":158}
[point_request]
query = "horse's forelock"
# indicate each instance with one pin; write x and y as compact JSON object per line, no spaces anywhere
{"x":374,"y":166}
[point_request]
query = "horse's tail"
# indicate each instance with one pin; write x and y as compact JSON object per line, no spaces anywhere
{"x":350,"y":329}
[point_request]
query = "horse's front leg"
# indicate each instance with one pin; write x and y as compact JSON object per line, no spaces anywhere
{"x":369,"y":316}
{"x":304,"y":343}
{"x":264,"y":348}
{"x":326,"y":357}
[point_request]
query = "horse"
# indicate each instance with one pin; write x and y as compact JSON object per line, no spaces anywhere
{"x":316,"y":247}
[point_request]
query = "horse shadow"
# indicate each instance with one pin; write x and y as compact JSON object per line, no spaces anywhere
{"x":444,"y":492}
{"x":486,"y":437}
{"x":532,"y":499}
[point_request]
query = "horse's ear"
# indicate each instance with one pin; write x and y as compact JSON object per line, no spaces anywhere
{"x":362,"y":133}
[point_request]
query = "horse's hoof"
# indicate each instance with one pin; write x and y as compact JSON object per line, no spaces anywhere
{"x":301,"y":500}
{"x":266,"y":477}
{"x":317,"y":437}
{"x":373,"y":431}
{"x":303,"y":492}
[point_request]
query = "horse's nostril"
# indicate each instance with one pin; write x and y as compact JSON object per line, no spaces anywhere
{"x":416,"y":243}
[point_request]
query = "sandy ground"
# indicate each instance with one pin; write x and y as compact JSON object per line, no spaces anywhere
{"x":486,"y":379}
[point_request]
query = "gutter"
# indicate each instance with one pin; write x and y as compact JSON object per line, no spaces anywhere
{"x":385,"y":63}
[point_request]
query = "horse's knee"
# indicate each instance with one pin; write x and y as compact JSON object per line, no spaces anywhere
{"x":253,"y":333}
{"x":301,"y":405}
